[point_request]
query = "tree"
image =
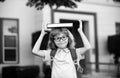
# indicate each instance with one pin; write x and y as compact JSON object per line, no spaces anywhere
{"x":2,"y":0}
{"x":39,"y":4}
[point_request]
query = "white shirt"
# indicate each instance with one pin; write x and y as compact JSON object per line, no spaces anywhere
{"x":63,"y":65}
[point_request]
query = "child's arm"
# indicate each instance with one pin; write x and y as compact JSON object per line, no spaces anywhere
{"x":84,"y":39}
{"x":37,"y":45}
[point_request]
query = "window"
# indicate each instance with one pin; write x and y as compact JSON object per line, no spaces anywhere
{"x":9,"y":50}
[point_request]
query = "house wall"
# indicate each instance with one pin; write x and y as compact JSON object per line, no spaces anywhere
{"x":28,"y":23}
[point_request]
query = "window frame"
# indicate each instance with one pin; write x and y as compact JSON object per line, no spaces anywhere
{"x":9,"y":34}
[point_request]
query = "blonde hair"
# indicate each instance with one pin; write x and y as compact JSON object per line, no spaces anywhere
{"x":57,"y":31}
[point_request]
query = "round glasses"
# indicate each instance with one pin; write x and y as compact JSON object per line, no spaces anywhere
{"x":58,"y":39}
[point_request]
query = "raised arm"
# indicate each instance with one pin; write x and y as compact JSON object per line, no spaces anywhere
{"x":84,"y":39}
{"x":36,"y":49}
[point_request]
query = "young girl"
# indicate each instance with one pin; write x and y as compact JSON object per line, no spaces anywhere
{"x":61,"y":40}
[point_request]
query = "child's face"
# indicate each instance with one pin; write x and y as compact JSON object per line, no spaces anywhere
{"x":61,"y":40}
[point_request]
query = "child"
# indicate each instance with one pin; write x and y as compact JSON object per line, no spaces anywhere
{"x":61,"y":40}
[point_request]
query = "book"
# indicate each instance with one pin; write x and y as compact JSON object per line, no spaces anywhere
{"x":59,"y":25}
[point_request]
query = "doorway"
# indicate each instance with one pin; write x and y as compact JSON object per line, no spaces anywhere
{"x":90,"y":30}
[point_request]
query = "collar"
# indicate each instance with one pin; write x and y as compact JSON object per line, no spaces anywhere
{"x":66,"y":50}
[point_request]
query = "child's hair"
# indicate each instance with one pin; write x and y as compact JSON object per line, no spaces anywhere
{"x":57,"y":31}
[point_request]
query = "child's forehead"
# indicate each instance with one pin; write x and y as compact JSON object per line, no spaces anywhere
{"x":60,"y":34}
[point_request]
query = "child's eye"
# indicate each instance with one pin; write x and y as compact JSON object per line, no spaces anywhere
{"x":63,"y":37}
{"x":57,"y":38}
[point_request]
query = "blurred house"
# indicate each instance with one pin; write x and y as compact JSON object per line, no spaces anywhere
{"x":101,"y":18}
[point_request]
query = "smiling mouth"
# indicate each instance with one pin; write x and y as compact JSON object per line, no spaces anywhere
{"x":61,"y":43}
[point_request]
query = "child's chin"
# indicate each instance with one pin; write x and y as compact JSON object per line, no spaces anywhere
{"x":62,"y":47}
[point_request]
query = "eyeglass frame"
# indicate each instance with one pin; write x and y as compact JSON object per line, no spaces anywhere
{"x":63,"y":38}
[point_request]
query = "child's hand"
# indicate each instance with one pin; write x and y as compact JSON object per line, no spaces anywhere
{"x":80,"y":27}
{"x":80,"y":69}
{"x":43,"y":30}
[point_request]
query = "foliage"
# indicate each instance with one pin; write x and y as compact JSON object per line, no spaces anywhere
{"x":39,"y":4}
{"x":2,"y":0}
